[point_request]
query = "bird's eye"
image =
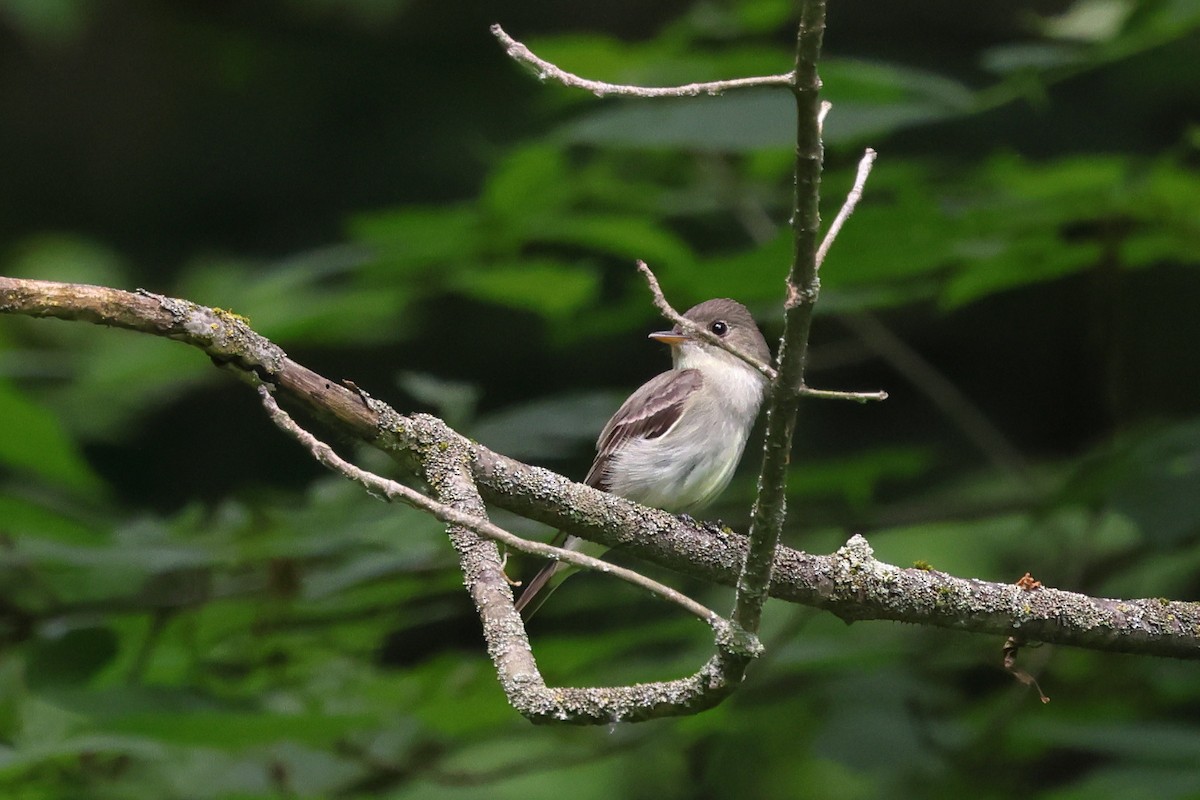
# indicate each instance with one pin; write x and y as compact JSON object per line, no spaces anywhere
{"x":720,"y":328}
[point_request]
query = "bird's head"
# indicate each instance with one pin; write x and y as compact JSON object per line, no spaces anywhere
{"x":724,"y":318}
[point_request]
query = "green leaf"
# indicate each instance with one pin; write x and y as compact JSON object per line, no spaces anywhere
{"x":549,"y":288}
{"x":236,"y":730}
{"x":415,"y":239}
{"x":44,"y":519}
{"x":13,"y":694}
{"x":553,"y":427}
{"x":122,"y":375}
{"x":746,"y":275}
{"x":965,"y":549}
{"x":454,"y":401}
{"x":629,"y":237}
{"x":1089,"y":20}
{"x":1030,"y":57}
{"x":857,"y":478}
{"x":1151,"y":477}
{"x":737,"y":122}
{"x":34,"y":442}
{"x":70,"y":657}
{"x":869,"y":99}
{"x":65,"y":751}
{"x":69,"y":258}
{"x":531,"y":182}
{"x":332,"y":296}
{"x":998,"y":265}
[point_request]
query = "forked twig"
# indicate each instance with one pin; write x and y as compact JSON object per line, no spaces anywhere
{"x":391,"y":490}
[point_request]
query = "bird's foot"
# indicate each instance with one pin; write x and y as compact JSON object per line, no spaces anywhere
{"x":715,"y":526}
{"x":504,"y":574}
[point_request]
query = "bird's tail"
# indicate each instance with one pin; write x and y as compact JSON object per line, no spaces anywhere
{"x":551,"y":576}
{"x":537,"y":591}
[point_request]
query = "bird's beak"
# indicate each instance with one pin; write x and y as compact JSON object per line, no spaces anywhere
{"x":668,"y":337}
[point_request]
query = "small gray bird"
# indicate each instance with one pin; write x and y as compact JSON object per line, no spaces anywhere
{"x":675,"y":443}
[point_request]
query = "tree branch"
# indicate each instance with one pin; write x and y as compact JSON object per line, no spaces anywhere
{"x":833,"y":394}
{"x":441,"y":457}
{"x":850,"y":583}
{"x":463,"y":475}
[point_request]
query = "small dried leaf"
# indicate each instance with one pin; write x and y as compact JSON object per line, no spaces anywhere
{"x":1013,"y":646}
{"x":1029,"y":583}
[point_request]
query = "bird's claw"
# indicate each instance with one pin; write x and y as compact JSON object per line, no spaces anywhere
{"x":716,"y":526}
{"x":503,"y":574}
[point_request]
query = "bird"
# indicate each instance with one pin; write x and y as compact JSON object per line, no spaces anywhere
{"x":675,"y":442}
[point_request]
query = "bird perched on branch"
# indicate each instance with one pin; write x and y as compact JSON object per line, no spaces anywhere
{"x":675,"y":443}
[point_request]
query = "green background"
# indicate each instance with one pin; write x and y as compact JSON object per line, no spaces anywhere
{"x":191,"y":609}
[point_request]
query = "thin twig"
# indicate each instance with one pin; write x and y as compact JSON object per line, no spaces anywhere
{"x":661,"y":303}
{"x":546,"y":70}
{"x":391,"y":490}
{"x":852,"y":198}
{"x":830,"y":394}
{"x":803,"y":286}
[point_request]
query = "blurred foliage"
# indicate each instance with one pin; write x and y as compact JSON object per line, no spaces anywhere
{"x":189,"y":610}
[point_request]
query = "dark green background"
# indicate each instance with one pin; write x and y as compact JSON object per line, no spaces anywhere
{"x":190,"y":609}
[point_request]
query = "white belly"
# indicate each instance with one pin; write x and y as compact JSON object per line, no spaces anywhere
{"x":688,"y":466}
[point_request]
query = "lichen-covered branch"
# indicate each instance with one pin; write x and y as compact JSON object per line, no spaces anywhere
{"x":850,"y":583}
{"x":442,"y":458}
{"x":446,"y":468}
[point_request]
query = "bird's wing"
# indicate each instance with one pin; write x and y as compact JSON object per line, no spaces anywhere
{"x":649,"y":413}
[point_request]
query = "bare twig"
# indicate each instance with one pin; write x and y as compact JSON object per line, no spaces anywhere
{"x":391,"y":490}
{"x":831,"y":394}
{"x":852,"y":198}
{"x":548,"y":71}
{"x":660,"y":302}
